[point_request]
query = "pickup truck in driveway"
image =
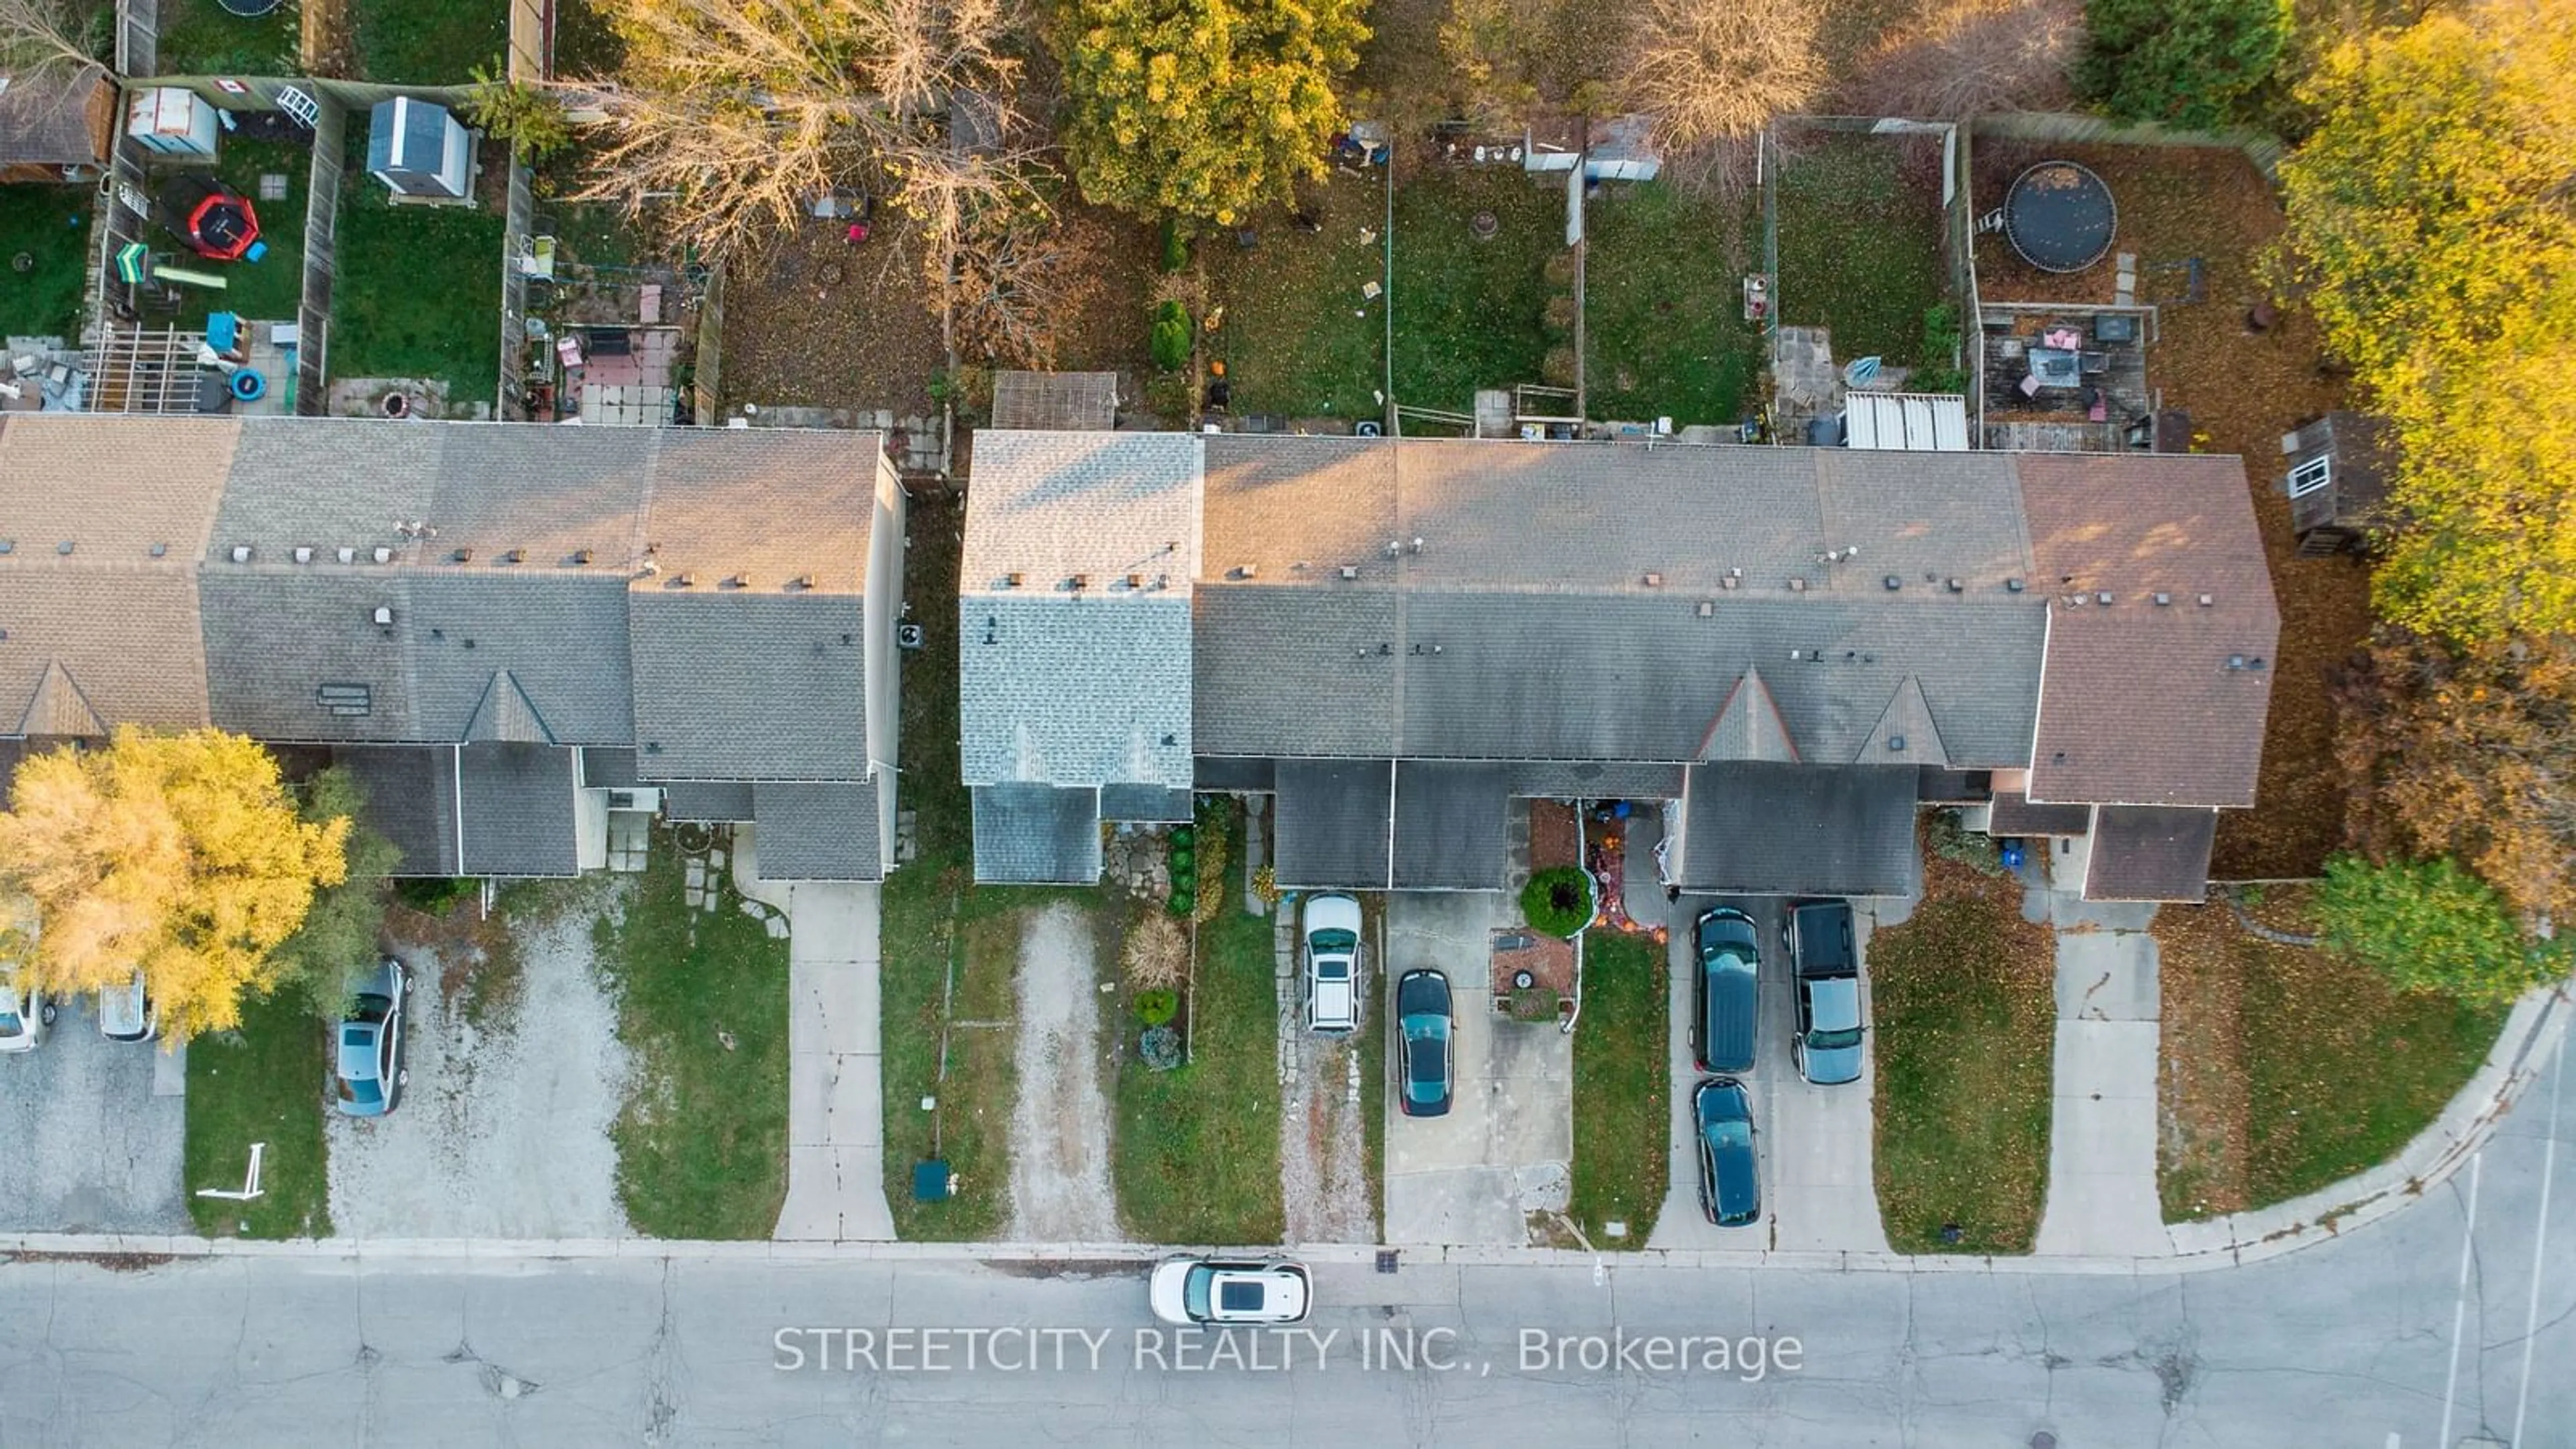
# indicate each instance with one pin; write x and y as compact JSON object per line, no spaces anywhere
{"x":1826,"y":968}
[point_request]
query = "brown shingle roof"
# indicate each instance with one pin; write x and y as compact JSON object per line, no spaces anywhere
{"x":2144,"y":853}
{"x":2141,"y":702}
{"x":55,"y":118}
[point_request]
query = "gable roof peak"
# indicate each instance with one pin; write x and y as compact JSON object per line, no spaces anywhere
{"x":59,"y":708}
{"x":1905,"y":734}
{"x":506,"y":715}
{"x":1749,"y":726}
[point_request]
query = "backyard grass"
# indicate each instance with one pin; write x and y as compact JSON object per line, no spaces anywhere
{"x":1622,"y":1121}
{"x":418,"y":292}
{"x":1470,"y":313}
{"x":2286,"y":1069}
{"x":702,"y":1140}
{"x":1860,"y":247}
{"x":1299,"y":339}
{"x":199,"y":37}
{"x":262,"y":1083}
{"x":50,"y":225}
{"x":1197,"y":1152}
{"x":586,"y":45}
{"x":404,"y":42}
{"x":1965,"y":996}
{"x":1664,"y":309}
{"x":272,"y":288}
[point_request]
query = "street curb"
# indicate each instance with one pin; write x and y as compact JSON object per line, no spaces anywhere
{"x":2536,"y":1027}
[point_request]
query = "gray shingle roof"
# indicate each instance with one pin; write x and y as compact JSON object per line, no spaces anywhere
{"x":517,"y":805}
{"x":411,"y":800}
{"x":818,"y":832}
{"x":2013,"y":814}
{"x":1333,"y":823}
{"x":742,"y":685}
{"x":709,"y":802}
{"x":775,"y":503}
{"x":2147,"y":853}
{"x":1595,"y":780}
{"x":1450,"y":823}
{"x":1760,"y":828}
{"x":1145,"y":804}
{"x":1029,"y":834}
{"x":608,"y":768}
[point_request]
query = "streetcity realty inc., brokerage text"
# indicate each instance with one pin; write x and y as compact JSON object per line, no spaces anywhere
{"x":1748,"y":1358}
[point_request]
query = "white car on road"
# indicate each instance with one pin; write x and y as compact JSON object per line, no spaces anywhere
{"x":1228,"y":1290}
{"x":24,"y":1015}
{"x":1332,"y":964}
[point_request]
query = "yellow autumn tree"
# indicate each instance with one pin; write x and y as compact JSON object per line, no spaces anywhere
{"x":182,"y":855}
{"x":2432,"y":226}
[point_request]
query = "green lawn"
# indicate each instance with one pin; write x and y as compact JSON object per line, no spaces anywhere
{"x":702,"y":1140}
{"x":1860,"y":248}
{"x":263,"y":1084}
{"x":418,"y":292}
{"x":272,"y":288}
{"x":1299,"y":338}
{"x":586,"y":45}
{"x":1664,"y":310}
{"x":405,"y":42}
{"x":1469,"y":313}
{"x":1622,"y":1119}
{"x":51,"y":226}
{"x":1965,"y":999}
{"x":199,"y":37}
{"x":1197,"y":1155}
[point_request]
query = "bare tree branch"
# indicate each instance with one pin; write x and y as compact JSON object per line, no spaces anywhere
{"x":1708,"y":71}
{"x":37,"y":36}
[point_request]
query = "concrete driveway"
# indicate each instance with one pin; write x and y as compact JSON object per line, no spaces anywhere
{"x":94,"y":1131}
{"x":1814,"y":1143}
{"x":1503,"y":1150}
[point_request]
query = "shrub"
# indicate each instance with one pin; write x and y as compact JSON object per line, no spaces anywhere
{"x":1955,"y":842}
{"x":1171,"y":339}
{"x":434,"y":897}
{"x":1558,"y":901}
{"x":2428,"y":926}
{"x":532,"y":118}
{"x":1157,"y":954}
{"x":1557,"y":368}
{"x":1160,"y":1046}
{"x":1176,"y":245}
{"x":1215,"y":829}
{"x":2192,"y":63}
{"x":1265,"y":884}
{"x":1154,"y":1008}
{"x":1559,"y":316}
{"x":1532,"y":1003}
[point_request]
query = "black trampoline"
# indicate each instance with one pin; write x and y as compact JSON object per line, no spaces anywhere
{"x":2059,"y":216}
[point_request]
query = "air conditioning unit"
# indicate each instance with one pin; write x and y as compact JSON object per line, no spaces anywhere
{"x":647,"y":800}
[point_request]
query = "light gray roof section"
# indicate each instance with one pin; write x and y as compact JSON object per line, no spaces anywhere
{"x":1073,"y":690}
{"x":1760,"y":828}
{"x":518,"y":811}
{"x":775,"y":503}
{"x":1748,"y":725}
{"x":1450,"y":822}
{"x":1333,"y":824}
{"x":1145,"y":804}
{"x":411,"y":801}
{"x":1051,"y":505}
{"x":707,"y":802}
{"x":1036,"y":835}
{"x":275,"y":634}
{"x":1594,"y":780}
{"x":818,"y":832}
{"x":742,"y":685}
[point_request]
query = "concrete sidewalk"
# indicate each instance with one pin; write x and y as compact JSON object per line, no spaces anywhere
{"x":2102,"y":1194}
{"x":835,"y":1101}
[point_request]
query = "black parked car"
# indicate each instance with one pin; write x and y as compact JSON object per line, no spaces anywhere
{"x":1730,"y":1182}
{"x":1725,"y":1000}
{"x":1423,"y":1017}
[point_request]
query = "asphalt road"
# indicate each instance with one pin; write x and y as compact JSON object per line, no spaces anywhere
{"x":2397,"y":1336}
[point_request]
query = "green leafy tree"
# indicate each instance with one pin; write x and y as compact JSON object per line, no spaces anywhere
{"x":2186,"y":62}
{"x":2428,"y":926}
{"x":2432,"y":228}
{"x":1202,"y":109}
{"x":339,"y":934}
{"x":529,"y":117}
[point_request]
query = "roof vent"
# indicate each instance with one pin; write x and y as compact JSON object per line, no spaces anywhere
{"x":64,"y":547}
{"x":1707,"y":609}
{"x":160,"y":550}
{"x":740,"y":581}
{"x":1078,"y":581}
{"x":2014,"y":586}
{"x":804,"y":581}
{"x":2075,"y":601}
{"x":464,"y":553}
{"x":2163,"y":599}
{"x":1350,"y":571}
{"x":8,"y":545}
{"x":1957,"y":587}
{"x":2103,"y":597}
{"x":2208,"y":599}
{"x":1416,"y":545}
{"x":516,"y":555}
{"x":346,"y":554}
{"x":384,"y":554}
{"x":1730,"y":582}
{"x":1894,"y":583}
{"x":383,"y":616}
{"x":241,"y":553}
{"x":1797,"y":586}
{"x":2235,"y":661}
{"x":1014,"y":579}
{"x":1654,"y":581}
{"x":1135,"y":581}
{"x":582,"y":555}
{"x":687,"y":581}
{"x":1896,"y":744}
{"x":1243,"y":571}
{"x":2254,"y":663}
{"x":1394,"y":546}
{"x":303,"y":554}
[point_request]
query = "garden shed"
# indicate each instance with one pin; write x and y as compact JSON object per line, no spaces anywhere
{"x":2337,"y":480}
{"x":420,"y":150}
{"x":54,"y":121}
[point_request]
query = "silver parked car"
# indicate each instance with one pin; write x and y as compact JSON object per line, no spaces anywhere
{"x":126,"y":1013}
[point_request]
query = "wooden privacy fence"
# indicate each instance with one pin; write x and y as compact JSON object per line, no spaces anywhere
{"x":2264,"y":151}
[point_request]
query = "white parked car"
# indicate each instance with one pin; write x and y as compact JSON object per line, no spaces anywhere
{"x":1332,"y":964}
{"x":1229,"y":1290}
{"x":126,"y":1013}
{"x":24,"y":1015}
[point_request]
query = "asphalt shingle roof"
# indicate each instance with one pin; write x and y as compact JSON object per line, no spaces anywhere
{"x":1761,"y":828}
{"x":1333,"y":823}
{"x":743,"y":685}
{"x":1030,"y":834}
{"x":2149,"y":853}
{"x":1450,"y":824}
{"x":44,"y":117}
{"x":517,"y":803}
{"x":818,"y":832}
{"x":1145,"y":804}
{"x":411,"y":799}
{"x":711,"y":802}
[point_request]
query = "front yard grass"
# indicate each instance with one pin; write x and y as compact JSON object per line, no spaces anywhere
{"x":1622,"y":1121}
{"x":702,"y":1142}
{"x":262,"y":1083}
{"x":1470,"y":313}
{"x":1860,"y":247}
{"x":418,"y":291}
{"x":200,"y":37}
{"x":50,"y":225}
{"x":1664,"y":308}
{"x":2285,"y":1068}
{"x":1299,"y":339}
{"x":1965,"y":996}
{"x":403,"y":42}
{"x":1197,"y":1153}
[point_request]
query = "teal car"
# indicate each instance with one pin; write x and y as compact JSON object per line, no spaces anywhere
{"x":1730,"y":1181}
{"x":1423,"y":1017}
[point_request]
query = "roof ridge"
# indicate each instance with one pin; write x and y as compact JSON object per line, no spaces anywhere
{"x":60,"y":707}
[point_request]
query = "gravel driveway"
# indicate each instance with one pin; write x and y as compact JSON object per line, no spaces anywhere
{"x":90,"y":1149}
{"x":501,"y":1132}
{"x":1060,"y":1189}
